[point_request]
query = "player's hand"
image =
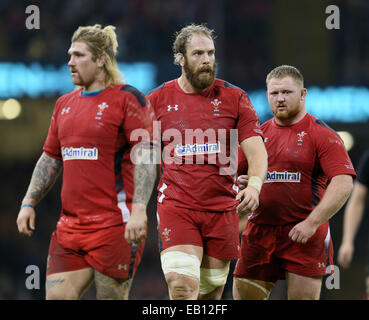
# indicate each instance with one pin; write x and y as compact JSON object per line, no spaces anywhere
{"x":26,"y":221}
{"x":242,"y":181}
{"x":345,"y":254}
{"x":136,"y":227}
{"x":249,"y":198}
{"x":302,"y":231}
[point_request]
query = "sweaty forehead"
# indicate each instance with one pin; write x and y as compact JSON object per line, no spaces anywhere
{"x":78,"y":46}
{"x":199,"y":42}
{"x":283,"y":83}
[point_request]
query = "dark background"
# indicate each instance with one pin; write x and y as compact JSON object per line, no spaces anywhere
{"x":253,"y":37}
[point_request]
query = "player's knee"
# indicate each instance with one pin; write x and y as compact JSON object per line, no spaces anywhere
{"x":211,"y":279}
{"x":248,"y":289}
{"x":303,"y":294}
{"x":113,"y":294}
{"x":182,"y":273}
{"x":182,"y":287}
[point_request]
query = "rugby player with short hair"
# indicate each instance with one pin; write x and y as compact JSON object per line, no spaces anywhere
{"x":197,"y":218}
{"x":309,"y":179}
{"x":98,"y":236}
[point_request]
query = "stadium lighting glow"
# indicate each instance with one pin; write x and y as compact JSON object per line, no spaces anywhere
{"x":10,"y":109}
{"x":347,"y":138}
{"x":35,"y":80}
{"x":330,"y":104}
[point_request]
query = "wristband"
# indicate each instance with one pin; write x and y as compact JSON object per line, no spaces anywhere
{"x":27,"y":205}
{"x":255,"y":182}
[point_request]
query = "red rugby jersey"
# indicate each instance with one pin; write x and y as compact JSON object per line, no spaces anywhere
{"x":302,"y":159}
{"x":196,"y":127}
{"x":90,"y":133}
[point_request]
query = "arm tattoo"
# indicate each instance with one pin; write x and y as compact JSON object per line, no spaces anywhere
{"x":144,"y":174}
{"x":43,"y":178}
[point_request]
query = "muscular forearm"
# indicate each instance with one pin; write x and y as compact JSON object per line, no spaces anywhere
{"x":43,"y":178}
{"x":334,"y":198}
{"x":257,"y":157}
{"x":144,"y":175}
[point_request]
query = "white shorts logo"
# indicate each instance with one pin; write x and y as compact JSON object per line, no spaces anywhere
{"x":193,"y":149}
{"x":79,"y":153}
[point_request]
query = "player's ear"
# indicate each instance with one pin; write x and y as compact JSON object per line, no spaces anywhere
{"x":181,"y":59}
{"x":303,"y":93}
{"x":101,"y":60}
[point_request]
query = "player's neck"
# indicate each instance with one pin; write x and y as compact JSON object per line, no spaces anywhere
{"x":292,"y":121}
{"x":186,"y":86}
{"x":97,"y":84}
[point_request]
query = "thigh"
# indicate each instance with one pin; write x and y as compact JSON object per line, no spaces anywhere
{"x":303,"y":287}
{"x":175,"y":264}
{"x":213,"y":277}
{"x":68,"y":285}
{"x":177,"y":227}
{"x":108,"y":288}
{"x":220,"y":234}
{"x":181,"y":268}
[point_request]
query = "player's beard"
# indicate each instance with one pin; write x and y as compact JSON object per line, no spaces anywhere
{"x":77,"y":79}
{"x":197,"y":81}
{"x":289,"y":113}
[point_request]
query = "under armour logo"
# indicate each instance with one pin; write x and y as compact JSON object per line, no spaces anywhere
{"x":65,"y":110}
{"x":175,"y":107}
{"x":120,"y":267}
{"x":321,"y":264}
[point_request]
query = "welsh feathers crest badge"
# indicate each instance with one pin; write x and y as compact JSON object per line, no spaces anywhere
{"x":216,"y":104}
{"x":100,"y":112}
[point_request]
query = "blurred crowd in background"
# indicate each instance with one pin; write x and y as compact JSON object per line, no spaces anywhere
{"x":250,"y":33}
{"x":252,"y":38}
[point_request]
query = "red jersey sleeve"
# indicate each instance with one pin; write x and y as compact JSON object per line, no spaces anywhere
{"x":138,"y":118}
{"x":332,"y":154}
{"x":248,"y":124}
{"x":52,"y":143}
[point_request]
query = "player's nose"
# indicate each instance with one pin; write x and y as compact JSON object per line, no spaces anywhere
{"x":205,"y":59}
{"x":280,"y":97}
{"x":71,"y":62}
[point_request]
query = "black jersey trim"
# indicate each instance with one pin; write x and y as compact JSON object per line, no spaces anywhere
{"x":230,"y":85}
{"x":157,"y":88}
{"x":137,"y":93}
{"x":322,"y":123}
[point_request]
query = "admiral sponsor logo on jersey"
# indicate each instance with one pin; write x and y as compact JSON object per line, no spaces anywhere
{"x":285,"y":176}
{"x":79,"y":153}
{"x":193,"y":149}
